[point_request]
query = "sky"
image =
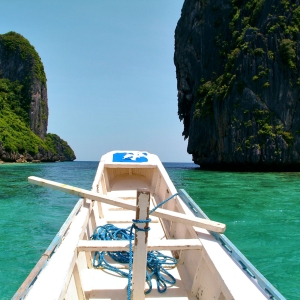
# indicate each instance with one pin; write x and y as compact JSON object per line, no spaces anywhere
{"x":111,"y":78}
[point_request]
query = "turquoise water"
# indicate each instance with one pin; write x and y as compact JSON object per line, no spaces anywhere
{"x":261,"y":210}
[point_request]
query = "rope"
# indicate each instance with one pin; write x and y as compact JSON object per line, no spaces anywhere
{"x":155,"y":259}
{"x":162,"y":203}
{"x":133,"y":226}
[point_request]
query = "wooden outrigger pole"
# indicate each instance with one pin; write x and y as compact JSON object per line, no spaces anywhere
{"x":160,"y":213}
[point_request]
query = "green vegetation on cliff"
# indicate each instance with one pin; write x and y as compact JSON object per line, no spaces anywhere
{"x":56,"y":144}
{"x":13,"y":42}
{"x":282,"y":24}
{"x":19,"y":61}
{"x":15,"y":134}
{"x":24,"y":105}
{"x":237,"y":68}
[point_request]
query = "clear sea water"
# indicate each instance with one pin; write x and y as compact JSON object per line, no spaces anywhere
{"x":261,"y":210}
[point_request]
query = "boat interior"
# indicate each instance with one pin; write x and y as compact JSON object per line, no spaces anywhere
{"x":204,"y":270}
{"x":123,"y":183}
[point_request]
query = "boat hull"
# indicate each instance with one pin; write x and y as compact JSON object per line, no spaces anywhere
{"x":209,"y":266}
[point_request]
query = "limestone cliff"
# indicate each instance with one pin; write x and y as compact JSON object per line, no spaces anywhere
{"x":24,"y":105}
{"x":19,"y":61}
{"x":237,"y":66}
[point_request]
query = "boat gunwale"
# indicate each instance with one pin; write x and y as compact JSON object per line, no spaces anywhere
{"x":237,"y":256}
{"x":42,"y":262}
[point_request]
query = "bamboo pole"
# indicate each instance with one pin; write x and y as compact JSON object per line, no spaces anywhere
{"x":140,"y":246}
{"x":161,"y":213}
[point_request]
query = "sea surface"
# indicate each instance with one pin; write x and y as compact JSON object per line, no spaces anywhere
{"x":261,"y":211}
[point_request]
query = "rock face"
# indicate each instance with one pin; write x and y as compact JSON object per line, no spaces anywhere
{"x":237,"y":66}
{"x":19,"y":61}
{"x":24,"y":106}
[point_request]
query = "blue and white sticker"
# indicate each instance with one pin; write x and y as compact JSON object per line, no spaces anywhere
{"x":131,"y":157}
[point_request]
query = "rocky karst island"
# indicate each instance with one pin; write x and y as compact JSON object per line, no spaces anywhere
{"x":237,"y":66}
{"x":24,"y":106}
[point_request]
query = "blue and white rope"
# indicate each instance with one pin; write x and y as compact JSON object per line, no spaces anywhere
{"x":155,"y":259}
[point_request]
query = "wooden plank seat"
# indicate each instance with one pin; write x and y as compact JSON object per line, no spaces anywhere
{"x":177,"y":244}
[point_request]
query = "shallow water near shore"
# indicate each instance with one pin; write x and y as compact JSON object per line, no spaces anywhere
{"x":261,"y":211}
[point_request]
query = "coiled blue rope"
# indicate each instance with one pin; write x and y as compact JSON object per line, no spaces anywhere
{"x":155,"y":259}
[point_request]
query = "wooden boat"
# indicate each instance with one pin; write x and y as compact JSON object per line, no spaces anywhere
{"x":126,"y":183}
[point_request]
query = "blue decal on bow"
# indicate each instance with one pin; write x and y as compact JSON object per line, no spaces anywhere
{"x":132,"y":157}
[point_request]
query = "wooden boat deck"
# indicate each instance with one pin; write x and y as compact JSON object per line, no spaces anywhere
{"x":103,"y":284}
